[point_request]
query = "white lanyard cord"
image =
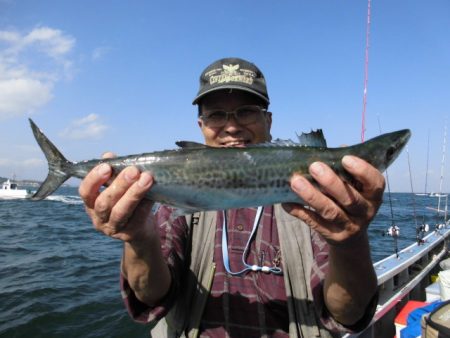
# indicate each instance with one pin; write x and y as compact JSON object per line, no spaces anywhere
{"x":248,"y":267}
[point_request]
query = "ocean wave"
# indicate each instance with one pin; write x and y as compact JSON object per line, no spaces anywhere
{"x":67,"y":199}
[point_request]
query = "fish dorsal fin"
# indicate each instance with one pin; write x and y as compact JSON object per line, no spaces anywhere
{"x":190,"y":145}
{"x":314,"y":138}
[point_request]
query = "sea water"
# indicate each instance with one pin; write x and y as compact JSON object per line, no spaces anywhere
{"x":60,"y":278}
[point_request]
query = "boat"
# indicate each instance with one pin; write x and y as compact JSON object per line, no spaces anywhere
{"x":10,"y":190}
{"x":406,"y":274}
{"x":436,"y":194}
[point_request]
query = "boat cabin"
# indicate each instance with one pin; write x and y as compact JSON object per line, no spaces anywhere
{"x":7,"y":185}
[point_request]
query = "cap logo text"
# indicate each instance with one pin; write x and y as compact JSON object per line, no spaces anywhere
{"x":230,"y":73}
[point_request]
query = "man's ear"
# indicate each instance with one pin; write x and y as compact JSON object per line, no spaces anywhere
{"x":269,"y":119}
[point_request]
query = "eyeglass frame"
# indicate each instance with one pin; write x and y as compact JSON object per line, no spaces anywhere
{"x":233,"y":112}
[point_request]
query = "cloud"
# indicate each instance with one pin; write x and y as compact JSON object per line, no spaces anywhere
{"x":30,"y":65}
{"x":50,"y":41}
{"x":99,"y":53}
{"x":21,"y":95}
{"x":88,"y":127}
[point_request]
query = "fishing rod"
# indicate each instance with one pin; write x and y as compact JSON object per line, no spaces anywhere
{"x":423,"y":228}
{"x":366,"y":72}
{"x":394,"y":229}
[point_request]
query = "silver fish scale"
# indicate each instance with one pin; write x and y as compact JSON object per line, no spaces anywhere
{"x":198,"y":177}
{"x":226,"y":178}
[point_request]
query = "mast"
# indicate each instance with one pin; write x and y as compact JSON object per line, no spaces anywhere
{"x":442,"y":167}
{"x":428,"y":156}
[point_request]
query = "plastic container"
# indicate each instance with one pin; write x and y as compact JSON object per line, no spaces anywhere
{"x":433,"y":292}
{"x":444,"y":283}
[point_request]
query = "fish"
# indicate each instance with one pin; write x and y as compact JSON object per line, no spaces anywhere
{"x":196,"y":177}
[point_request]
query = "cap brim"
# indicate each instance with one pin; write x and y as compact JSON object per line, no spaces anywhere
{"x":245,"y":89}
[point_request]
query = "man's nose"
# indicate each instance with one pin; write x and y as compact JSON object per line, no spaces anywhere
{"x":232,"y":122}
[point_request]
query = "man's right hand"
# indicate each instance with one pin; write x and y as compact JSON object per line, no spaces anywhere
{"x":120,"y":210}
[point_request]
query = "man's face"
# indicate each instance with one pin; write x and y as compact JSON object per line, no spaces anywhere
{"x":233,"y":134}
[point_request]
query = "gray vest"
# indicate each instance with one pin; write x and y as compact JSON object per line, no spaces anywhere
{"x":183,"y":320}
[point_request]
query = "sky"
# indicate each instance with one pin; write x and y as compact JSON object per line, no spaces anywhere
{"x":120,"y":76}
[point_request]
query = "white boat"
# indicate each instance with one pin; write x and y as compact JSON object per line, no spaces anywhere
{"x":404,"y":278}
{"x":11,"y":190}
{"x":435,"y":194}
{"x":406,"y":274}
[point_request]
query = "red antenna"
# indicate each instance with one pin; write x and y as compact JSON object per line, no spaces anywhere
{"x":366,"y":72}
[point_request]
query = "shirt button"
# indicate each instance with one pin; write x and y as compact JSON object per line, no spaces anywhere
{"x":240,"y":227}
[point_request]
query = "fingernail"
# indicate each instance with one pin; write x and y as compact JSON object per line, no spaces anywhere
{"x":348,"y":161}
{"x":144,"y":180}
{"x":103,"y":169}
{"x":131,"y":174}
{"x":316,"y":168}
{"x":297,"y":183}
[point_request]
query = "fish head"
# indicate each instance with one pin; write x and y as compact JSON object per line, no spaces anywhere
{"x":386,"y":148}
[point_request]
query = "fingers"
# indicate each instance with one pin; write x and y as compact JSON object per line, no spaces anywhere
{"x":114,"y":208}
{"x":91,"y":184}
{"x":324,"y":209}
{"x":371,"y":179}
{"x":108,"y":154}
{"x":334,"y":207}
{"x":333,"y":195}
{"x":118,"y":206}
{"x":135,"y":227}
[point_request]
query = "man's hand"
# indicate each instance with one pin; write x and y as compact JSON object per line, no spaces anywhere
{"x":120,"y":210}
{"x":341,"y":213}
{"x":336,"y":209}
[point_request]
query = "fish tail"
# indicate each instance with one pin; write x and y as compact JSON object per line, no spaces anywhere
{"x":59,"y":169}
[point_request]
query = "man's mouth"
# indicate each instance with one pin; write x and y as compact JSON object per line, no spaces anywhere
{"x":240,"y":143}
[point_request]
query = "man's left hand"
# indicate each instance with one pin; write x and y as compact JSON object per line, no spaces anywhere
{"x":334,"y":208}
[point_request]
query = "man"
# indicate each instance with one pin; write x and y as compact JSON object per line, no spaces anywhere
{"x":295,"y":270}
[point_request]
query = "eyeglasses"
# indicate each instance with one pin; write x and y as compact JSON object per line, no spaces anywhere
{"x":243,"y":115}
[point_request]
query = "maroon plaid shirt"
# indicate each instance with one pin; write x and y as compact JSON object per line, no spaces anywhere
{"x":250,"y":305}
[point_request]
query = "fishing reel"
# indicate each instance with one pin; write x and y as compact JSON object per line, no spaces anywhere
{"x":393,"y":231}
{"x":423,"y":228}
{"x":420,"y":232}
{"x":440,"y":226}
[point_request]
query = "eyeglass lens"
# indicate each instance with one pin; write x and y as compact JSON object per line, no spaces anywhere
{"x":243,"y":115}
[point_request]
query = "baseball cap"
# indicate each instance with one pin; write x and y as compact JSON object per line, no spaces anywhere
{"x":232,"y":73}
